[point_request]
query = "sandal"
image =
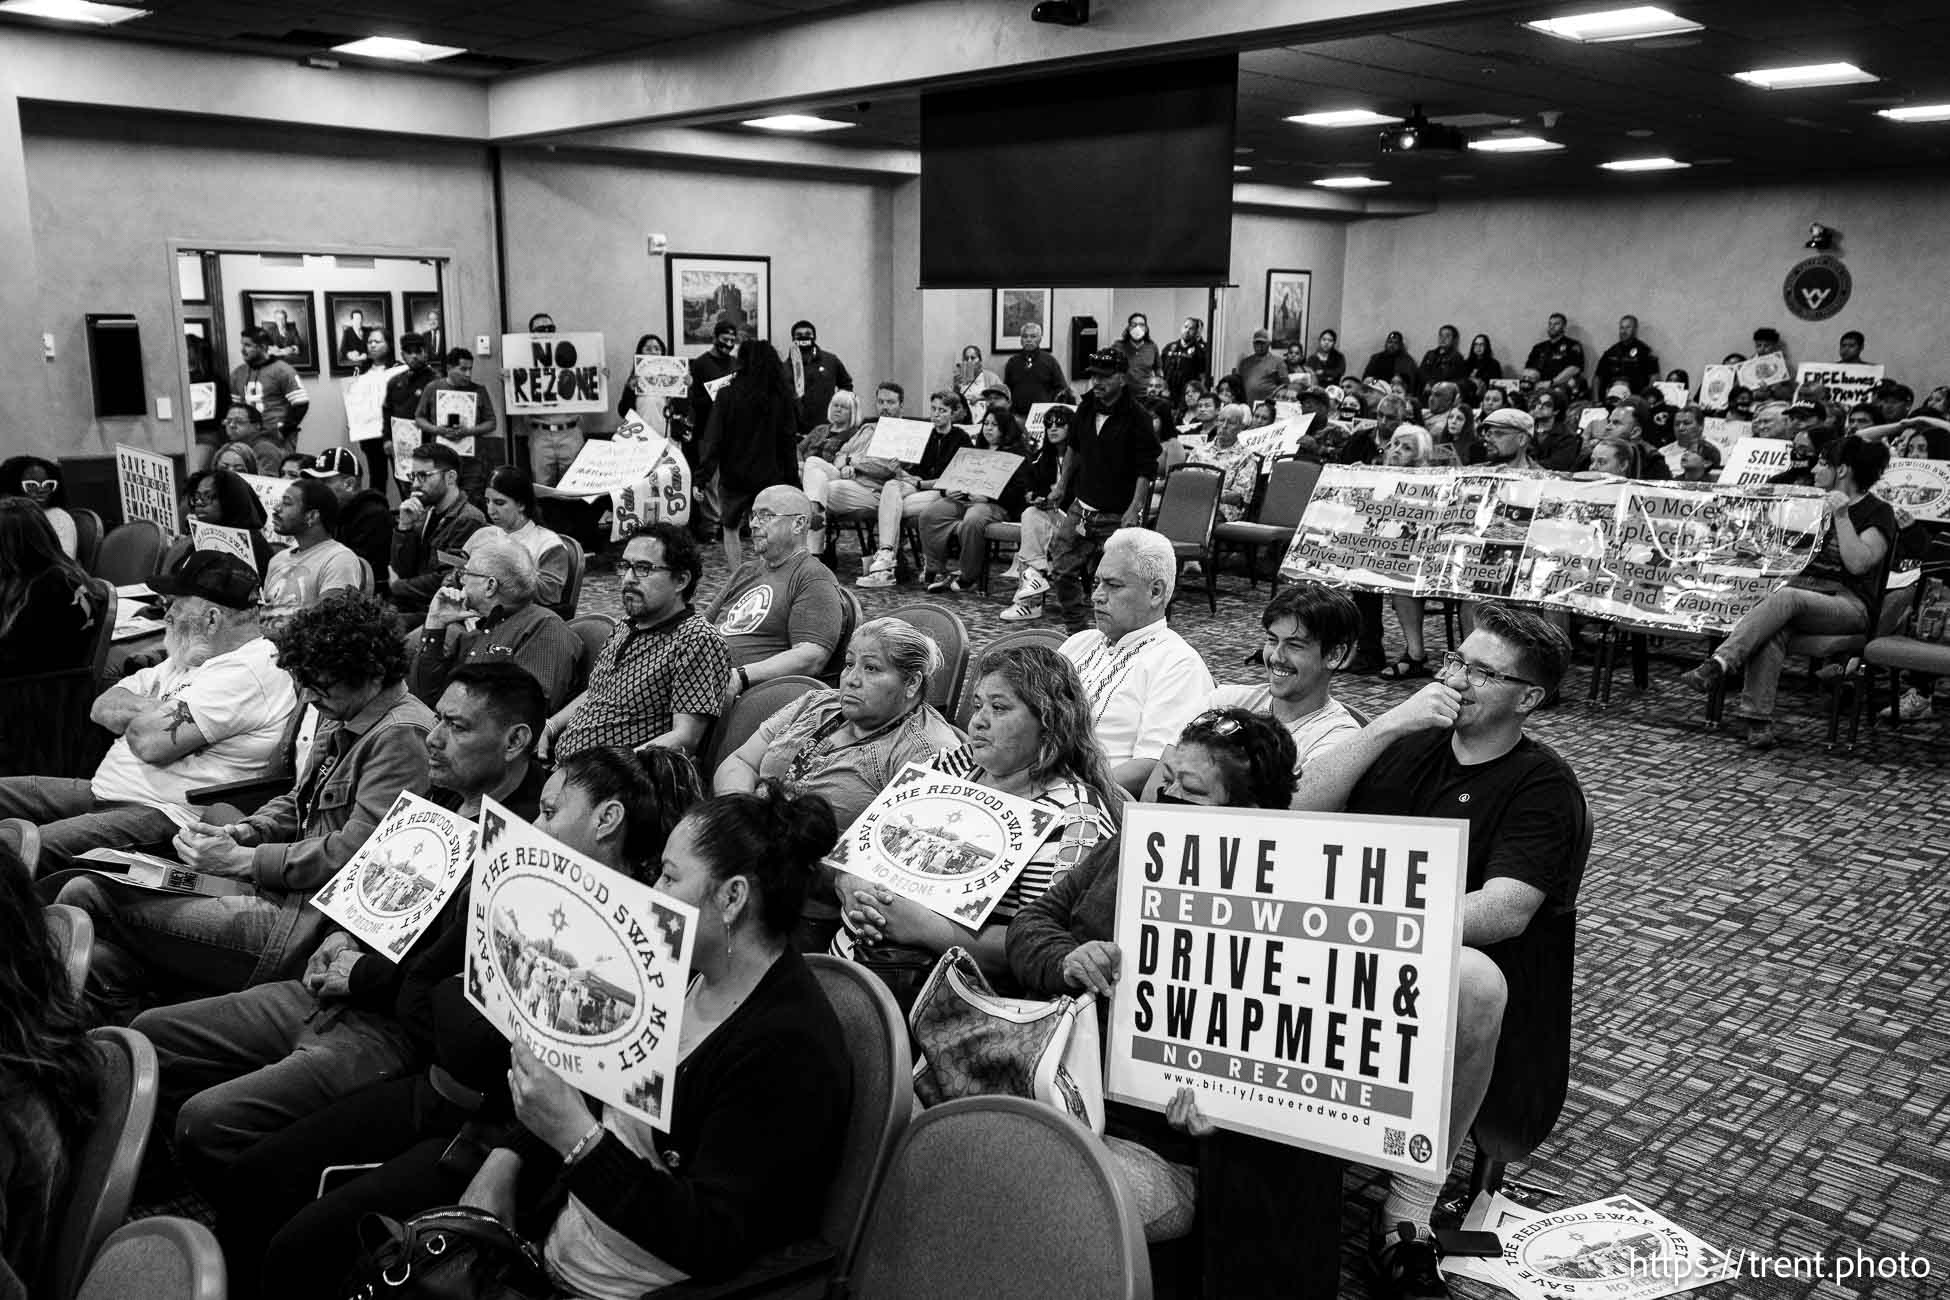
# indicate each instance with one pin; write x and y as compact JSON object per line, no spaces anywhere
{"x":1406,"y":669}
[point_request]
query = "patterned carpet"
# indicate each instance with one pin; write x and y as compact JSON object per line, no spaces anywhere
{"x":1758,"y":1054}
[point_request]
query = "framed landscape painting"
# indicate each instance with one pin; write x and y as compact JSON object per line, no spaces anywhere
{"x":1015,"y":308}
{"x":704,"y":289}
{"x":1287,"y":293}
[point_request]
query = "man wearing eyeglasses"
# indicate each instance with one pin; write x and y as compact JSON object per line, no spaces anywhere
{"x":1457,"y":749}
{"x":660,"y":679}
{"x":495,"y":591}
{"x":436,"y":516}
{"x":782,"y":612}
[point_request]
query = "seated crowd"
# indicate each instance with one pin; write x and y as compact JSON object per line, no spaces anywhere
{"x":426,"y":650}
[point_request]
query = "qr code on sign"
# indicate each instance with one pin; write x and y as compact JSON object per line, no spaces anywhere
{"x":1394,"y":1142}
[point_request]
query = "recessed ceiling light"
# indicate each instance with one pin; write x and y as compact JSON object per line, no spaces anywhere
{"x":1350,"y":183}
{"x":1634,"y":24}
{"x":73,"y":11}
{"x":1514,"y":144}
{"x":398,"y":49}
{"x":1240,"y":167}
{"x":1917,"y":113}
{"x":1344,"y":117}
{"x":1801,"y":78}
{"x":1644,"y":165}
{"x":797,"y":122}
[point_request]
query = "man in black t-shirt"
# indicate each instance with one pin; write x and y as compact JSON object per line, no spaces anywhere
{"x":1106,"y":478}
{"x":1457,"y":749}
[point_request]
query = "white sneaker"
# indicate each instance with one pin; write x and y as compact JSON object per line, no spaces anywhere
{"x":1914,"y":706}
{"x":1013,"y":571}
{"x":1023,"y":611}
{"x":1032,"y":586}
{"x":879,"y":571}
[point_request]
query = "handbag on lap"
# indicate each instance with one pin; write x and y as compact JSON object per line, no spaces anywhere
{"x":453,"y":1253}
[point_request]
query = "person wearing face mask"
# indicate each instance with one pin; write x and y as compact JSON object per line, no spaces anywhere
{"x":816,"y":375}
{"x":1393,"y":365}
{"x":41,"y":482}
{"x":1309,"y":629}
{"x":1139,"y":350}
{"x":213,"y":711}
{"x":1185,"y":359}
{"x":1839,"y":593}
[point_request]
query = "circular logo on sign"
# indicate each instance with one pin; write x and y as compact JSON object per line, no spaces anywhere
{"x":1817,"y":287}
{"x":404,"y":872}
{"x":567,"y":972}
{"x":943,"y":837}
{"x":1420,"y":1149}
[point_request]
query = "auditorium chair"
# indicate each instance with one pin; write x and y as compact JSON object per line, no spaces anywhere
{"x":73,"y":932}
{"x":755,"y":704}
{"x":852,"y":614}
{"x":1289,"y":486}
{"x":87,"y":536}
{"x":131,"y":553}
{"x":1897,"y":649}
{"x":995,"y":536}
{"x":951,"y":634}
{"x":593,"y":632}
{"x":1187,"y":513}
{"x":883,"y":1094}
{"x":1001,"y":1196}
{"x":102,"y":1170}
{"x":572,"y":585}
{"x":160,"y":1258}
{"x":1044,"y":636}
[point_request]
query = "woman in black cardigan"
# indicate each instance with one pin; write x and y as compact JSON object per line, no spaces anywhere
{"x":760,"y":1102}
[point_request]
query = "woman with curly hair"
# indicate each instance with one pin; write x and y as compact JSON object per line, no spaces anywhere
{"x":47,"y":1081}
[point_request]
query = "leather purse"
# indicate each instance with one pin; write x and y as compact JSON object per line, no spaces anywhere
{"x":453,"y":1253}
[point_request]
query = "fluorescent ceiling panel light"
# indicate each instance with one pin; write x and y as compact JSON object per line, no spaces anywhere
{"x":1801,"y":78}
{"x":1350,"y":183}
{"x":1917,"y":113}
{"x":398,"y":49}
{"x":1344,"y":117}
{"x":1635,"y":24}
{"x":73,"y":11}
{"x":1644,"y":165}
{"x":1240,"y":167}
{"x":1514,"y":144}
{"x":797,"y":122}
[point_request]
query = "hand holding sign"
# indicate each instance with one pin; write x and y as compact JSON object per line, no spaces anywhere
{"x":546,"y":1104}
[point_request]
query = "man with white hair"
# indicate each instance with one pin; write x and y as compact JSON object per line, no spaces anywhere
{"x":1144,"y":681}
{"x":495,"y":593}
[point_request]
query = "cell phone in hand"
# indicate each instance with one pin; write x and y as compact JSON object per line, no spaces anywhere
{"x":1473,"y":1245}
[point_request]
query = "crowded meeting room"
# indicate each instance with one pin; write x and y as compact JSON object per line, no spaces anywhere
{"x":1255,"y":647}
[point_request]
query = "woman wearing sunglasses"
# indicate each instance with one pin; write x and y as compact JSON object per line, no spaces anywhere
{"x":40,"y":482}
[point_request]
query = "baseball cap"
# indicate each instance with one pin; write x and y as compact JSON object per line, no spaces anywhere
{"x":216,"y":576}
{"x":1262,"y":336}
{"x":1106,"y":361}
{"x":997,"y":390}
{"x":1509,"y":417}
{"x":723,"y":327}
{"x":334,"y":461}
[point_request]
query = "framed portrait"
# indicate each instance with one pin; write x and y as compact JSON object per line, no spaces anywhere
{"x":704,"y":289}
{"x":287,"y":316}
{"x":1015,"y":308}
{"x":426,"y":317}
{"x":1287,"y":294}
{"x":349,"y":317}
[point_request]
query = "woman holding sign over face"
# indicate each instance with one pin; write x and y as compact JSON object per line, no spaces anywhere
{"x":760,"y":1101}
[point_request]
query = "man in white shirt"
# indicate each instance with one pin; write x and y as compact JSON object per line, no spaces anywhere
{"x":1144,"y":681}
{"x":297,"y":576}
{"x":213,"y":711}
{"x":1309,"y":629}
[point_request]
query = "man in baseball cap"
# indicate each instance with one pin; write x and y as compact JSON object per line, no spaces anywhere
{"x":365,"y":523}
{"x":1262,"y":370}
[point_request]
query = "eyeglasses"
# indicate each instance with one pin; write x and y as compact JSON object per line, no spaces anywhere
{"x":422,"y":475}
{"x":760,"y":518}
{"x":205,"y":498}
{"x":476,"y":573}
{"x":1476,"y":674}
{"x":641,"y":569}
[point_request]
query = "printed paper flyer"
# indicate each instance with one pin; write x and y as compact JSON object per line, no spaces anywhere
{"x":396,"y":884}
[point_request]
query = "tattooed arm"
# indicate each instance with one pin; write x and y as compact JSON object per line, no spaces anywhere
{"x":165,"y":733}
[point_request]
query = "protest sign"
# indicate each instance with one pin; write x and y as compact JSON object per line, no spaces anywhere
{"x":1724,"y":433}
{"x":1297,"y":971}
{"x":215,"y":537}
{"x":1755,"y":460}
{"x":663,"y":494}
{"x":1478,"y":538}
{"x":1365,"y":527}
{"x":950,"y":845}
{"x":899,"y":439}
{"x":979,"y":473}
{"x":1033,"y":424}
{"x":607,"y":465}
{"x":716,"y":386}
{"x":455,"y":409}
{"x":659,"y":376}
{"x":1763,"y":371}
{"x":582,"y":964}
{"x":396,"y":884}
{"x":1921,"y":487}
{"x":1716,"y":387}
{"x":1849,"y":383}
{"x":364,"y":397}
{"x":1285,"y":411}
{"x":1272,"y":441}
{"x":553,"y":374}
{"x":407,"y":437}
{"x":1675,"y":394}
{"x":1589,"y":416}
{"x":1616,"y":1249}
{"x":203,"y":401}
{"x":147,"y":483}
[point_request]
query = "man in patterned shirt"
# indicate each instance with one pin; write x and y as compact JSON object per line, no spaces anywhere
{"x":661,"y":678}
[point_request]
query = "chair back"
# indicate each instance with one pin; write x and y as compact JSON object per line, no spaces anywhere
{"x":365,"y":574}
{"x":87,"y":536}
{"x":104,"y":595}
{"x":161,"y":1258}
{"x":101,"y":1175}
{"x":1190,"y":505}
{"x":965,"y":705}
{"x":852,"y":614}
{"x":748,"y":710}
{"x":594,"y":632}
{"x":1288,"y":490}
{"x":73,"y":931}
{"x":951,"y":634}
{"x":130,"y":553}
{"x":883,"y":1095}
{"x":24,"y":838}
{"x":179,"y":550}
{"x":1001,"y":1196}
{"x":572,"y":585}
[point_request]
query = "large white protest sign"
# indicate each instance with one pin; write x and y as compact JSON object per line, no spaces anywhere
{"x":581,"y":963}
{"x":270,"y":494}
{"x":1763,"y":371}
{"x":662,"y":495}
{"x":1724,"y":433}
{"x":659,"y":376}
{"x":553,"y":374}
{"x":1297,"y":971}
{"x":979,"y":473}
{"x":147,"y":483}
{"x":215,"y":537}
{"x":203,"y":401}
{"x":1755,"y":460}
{"x":1848,"y":383}
{"x":455,"y":409}
{"x":1675,"y":394}
{"x":899,"y":439}
{"x":1716,"y":387}
{"x":608,"y":465}
{"x":1921,"y":487}
{"x":365,"y":403}
{"x":396,"y":884}
{"x":950,"y":845}
{"x":1272,"y":441}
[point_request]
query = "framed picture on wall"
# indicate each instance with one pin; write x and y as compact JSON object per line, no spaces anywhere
{"x":704,"y":288}
{"x":190,"y":286}
{"x":1015,"y":308}
{"x":1287,"y":293}
{"x":349,"y":317}
{"x":287,"y":316}
{"x":425,"y":317}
